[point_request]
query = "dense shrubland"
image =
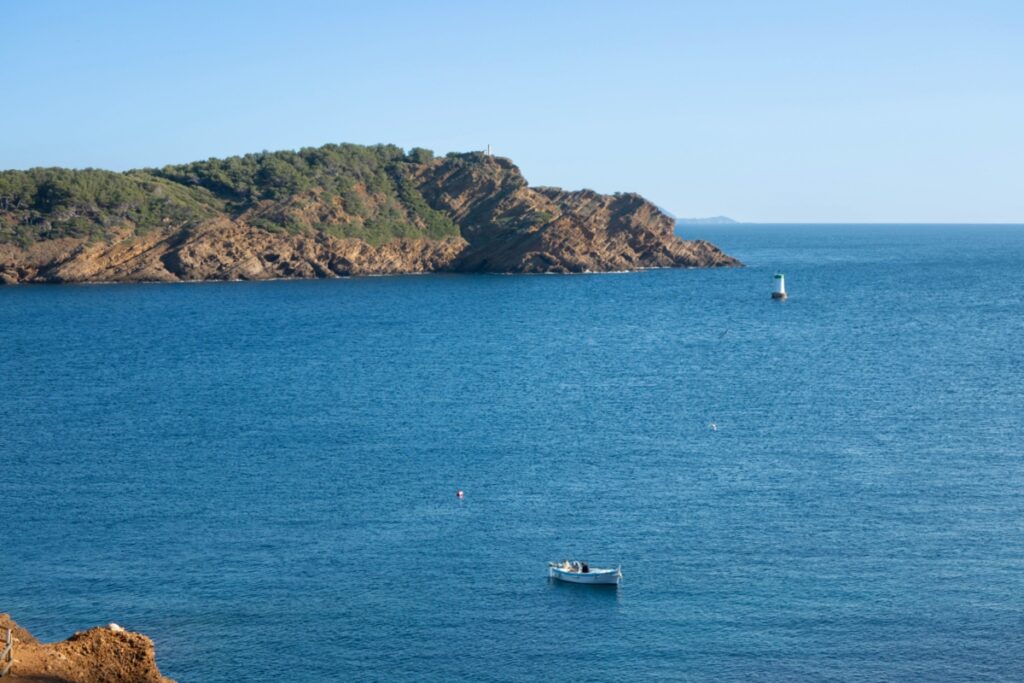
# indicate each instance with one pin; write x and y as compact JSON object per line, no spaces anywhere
{"x":344,"y":190}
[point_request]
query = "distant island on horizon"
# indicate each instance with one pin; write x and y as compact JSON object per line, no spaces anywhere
{"x":711,"y":220}
{"x":330,"y":211}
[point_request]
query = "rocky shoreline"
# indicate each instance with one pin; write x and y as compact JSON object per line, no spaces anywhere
{"x":503,"y":226}
{"x":107,"y":654}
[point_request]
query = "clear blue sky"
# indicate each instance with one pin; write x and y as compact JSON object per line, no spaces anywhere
{"x":764,"y":111}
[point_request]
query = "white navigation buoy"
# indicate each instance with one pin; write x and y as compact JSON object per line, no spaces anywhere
{"x":780,"y":286}
{"x":712,"y":426}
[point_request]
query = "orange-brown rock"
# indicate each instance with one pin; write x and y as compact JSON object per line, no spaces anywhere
{"x":513,"y":228}
{"x":98,"y":655}
{"x":220,"y":250}
{"x":505,"y":226}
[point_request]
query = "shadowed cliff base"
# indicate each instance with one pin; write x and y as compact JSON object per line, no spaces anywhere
{"x":98,"y":655}
{"x":337,"y":210}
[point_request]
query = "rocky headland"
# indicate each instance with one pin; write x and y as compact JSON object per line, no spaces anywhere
{"x":331,"y":211}
{"x":99,"y":655}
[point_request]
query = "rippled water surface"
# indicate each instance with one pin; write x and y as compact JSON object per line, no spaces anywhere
{"x":261,"y":476}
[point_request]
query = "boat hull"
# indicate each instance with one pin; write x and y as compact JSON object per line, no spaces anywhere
{"x":594,"y":576}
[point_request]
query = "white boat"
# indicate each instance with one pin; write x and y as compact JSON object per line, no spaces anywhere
{"x":580,"y":572}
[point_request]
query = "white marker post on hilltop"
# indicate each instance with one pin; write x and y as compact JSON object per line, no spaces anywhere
{"x":780,"y":286}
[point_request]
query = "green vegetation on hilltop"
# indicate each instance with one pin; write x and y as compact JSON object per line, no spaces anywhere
{"x":49,"y":203}
{"x":344,"y":190}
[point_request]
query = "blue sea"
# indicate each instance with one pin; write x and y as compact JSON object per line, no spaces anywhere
{"x":262,"y":476}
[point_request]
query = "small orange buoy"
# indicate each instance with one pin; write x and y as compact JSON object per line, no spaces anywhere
{"x":460,"y":494}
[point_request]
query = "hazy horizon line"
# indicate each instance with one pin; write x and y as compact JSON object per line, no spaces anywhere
{"x":839,"y":222}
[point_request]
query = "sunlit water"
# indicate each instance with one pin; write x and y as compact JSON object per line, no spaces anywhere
{"x":262,"y":476}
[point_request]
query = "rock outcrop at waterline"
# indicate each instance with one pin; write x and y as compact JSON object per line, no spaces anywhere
{"x":98,"y":655}
{"x":513,"y":228}
{"x":220,"y":250}
{"x":325,"y":212}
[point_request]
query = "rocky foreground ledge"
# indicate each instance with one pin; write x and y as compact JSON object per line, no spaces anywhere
{"x":338,"y":210}
{"x":99,"y":655}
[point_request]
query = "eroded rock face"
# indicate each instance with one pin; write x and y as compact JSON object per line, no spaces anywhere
{"x":98,"y":655}
{"x":513,"y":228}
{"x":506,"y":227}
{"x":221,"y":250}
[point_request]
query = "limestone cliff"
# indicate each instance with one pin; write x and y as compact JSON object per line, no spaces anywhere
{"x":405,"y":214}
